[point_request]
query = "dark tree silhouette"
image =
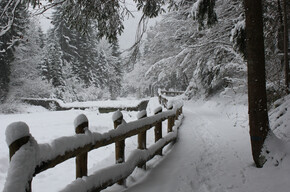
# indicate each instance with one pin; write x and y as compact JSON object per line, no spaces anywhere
{"x":258,"y":113}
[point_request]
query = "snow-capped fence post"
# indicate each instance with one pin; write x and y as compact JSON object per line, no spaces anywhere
{"x":17,"y":135}
{"x":171,"y":119}
{"x":142,"y":137}
{"x":81,"y":123}
{"x":119,"y":145}
{"x":158,"y":129}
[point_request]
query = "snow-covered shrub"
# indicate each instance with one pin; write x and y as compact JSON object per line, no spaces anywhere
{"x":30,"y":88}
{"x":280,"y":117}
{"x":275,"y":91}
{"x":77,"y":91}
{"x":11,"y":106}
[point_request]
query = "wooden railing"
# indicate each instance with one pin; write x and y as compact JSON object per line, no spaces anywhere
{"x":171,"y":93}
{"x":163,"y":100}
{"x":36,"y":158}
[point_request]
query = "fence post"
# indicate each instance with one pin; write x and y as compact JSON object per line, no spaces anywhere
{"x":170,"y":122}
{"x":177,"y":113}
{"x":119,"y":145}
{"x":81,"y":123}
{"x":142,"y":137}
{"x":17,"y":135}
{"x":158,"y":129}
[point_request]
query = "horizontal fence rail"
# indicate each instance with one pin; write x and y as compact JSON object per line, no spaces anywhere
{"x":171,"y":93}
{"x":163,"y":97}
{"x":28,"y":158}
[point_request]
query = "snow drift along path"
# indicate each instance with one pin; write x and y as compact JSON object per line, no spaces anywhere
{"x":212,"y":153}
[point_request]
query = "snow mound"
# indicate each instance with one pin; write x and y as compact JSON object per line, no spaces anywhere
{"x":280,"y":118}
{"x":117,"y":115}
{"x":80,"y":120}
{"x":16,"y":131}
{"x":276,"y":151}
{"x":169,"y":104}
{"x":178,"y":104}
{"x":141,"y":114}
{"x":158,"y":109}
{"x":277,"y":145}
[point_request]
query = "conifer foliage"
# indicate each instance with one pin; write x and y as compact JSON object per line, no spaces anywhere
{"x":77,"y":57}
{"x":180,"y":54}
{"x":25,"y":78}
{"x":8,"y":41}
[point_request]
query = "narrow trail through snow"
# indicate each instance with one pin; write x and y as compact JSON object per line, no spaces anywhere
{"x":209,"y":155}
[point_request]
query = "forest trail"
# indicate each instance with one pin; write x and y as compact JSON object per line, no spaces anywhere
{"x":210,"y":155}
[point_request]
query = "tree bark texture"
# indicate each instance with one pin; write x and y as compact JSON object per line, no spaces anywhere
{"x":286,"y":60}
{"x":257,"y":98}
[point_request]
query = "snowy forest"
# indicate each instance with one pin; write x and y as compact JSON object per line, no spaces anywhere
{"x":203,"y":48}
{"x":63,"y":63}
{"x":184,"y":51}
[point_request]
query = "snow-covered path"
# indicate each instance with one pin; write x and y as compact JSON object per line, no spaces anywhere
{"x":211,"y":154}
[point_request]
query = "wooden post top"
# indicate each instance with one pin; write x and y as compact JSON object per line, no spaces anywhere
{"x":17,"y":135}
{"x":81,"y":123}
{"x":117,"y":118}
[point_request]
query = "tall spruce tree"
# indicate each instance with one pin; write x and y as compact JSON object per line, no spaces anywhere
{"x":75,"y":56}
{"x":8,"y":41}
{"x":52,"y":64}
{"x":115,"y":71}
{"x":25,"y":79}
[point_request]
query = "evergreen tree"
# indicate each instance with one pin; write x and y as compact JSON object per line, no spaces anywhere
{"x":115,"y":71}
{"x":178,"y":54}
{"x":52,"y":64}
{"x":75,"y":57}
{"x":66,"y":38}
{"x":25,"y":72}
{"x":8,"y":41}
{"x":87,"y":58}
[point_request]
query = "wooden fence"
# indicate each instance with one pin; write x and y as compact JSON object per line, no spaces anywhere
{"x":22,"y":145}
{"x":164,"y":101}
{"x":171,"y":93}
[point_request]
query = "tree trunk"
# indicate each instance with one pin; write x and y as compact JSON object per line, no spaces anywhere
{"x":286,"y":62}
{"x":280,"y":28}
{"x":257,"y":98}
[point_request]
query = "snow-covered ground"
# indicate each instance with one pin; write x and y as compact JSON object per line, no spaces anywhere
{"x":212,"y":153}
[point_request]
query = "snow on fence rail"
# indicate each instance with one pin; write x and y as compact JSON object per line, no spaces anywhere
{"x":28,"y":158}
{"x":165,"y":101}
{"x":171,"y":93}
